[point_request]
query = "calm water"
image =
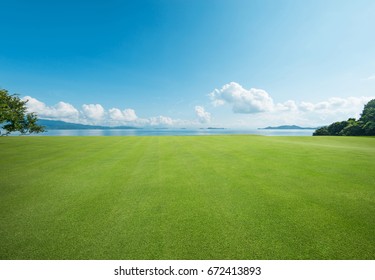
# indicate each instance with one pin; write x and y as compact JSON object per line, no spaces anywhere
{"x":182,"y":132}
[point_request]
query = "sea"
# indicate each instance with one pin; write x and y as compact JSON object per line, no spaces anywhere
{"x":174,"y":132}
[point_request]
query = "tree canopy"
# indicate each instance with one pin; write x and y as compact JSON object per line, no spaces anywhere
{"x":365,"y":125}
{"x":14,"y":115}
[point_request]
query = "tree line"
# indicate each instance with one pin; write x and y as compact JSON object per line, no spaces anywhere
{"x":364,"y":126}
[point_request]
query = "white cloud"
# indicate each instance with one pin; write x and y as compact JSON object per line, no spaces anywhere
{"x":93,"y":111}
{"x":258,"y":109}
{"x":289,"y":105}
{"x":242,"y":100}
{"x":253,"y":108}
{"x":96,"y":114}
{"x":335,"y":105}
{"x":127,"y":115}
{"x":61,"y":111}
{"x":326,"y":111}
{"x":161,"y":120}
{"x":306,"y":106}
{"x":203,"y":116}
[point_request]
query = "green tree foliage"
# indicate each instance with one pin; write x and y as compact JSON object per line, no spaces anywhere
{"x":336,"y":127}
{"x":352,"y":130}
{"x":352,"y":127}
{"x":14,"y":116}
{"x":321,"y":131}
{"x":368,"y":118}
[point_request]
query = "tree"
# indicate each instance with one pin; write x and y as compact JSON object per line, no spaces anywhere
{"x":336,"y":127}
{"x":14,"y":116}
{"x":368,"y":118}
{"x":321,"y":131}
{"x":352,"y":127}
{"x":352,"y":130}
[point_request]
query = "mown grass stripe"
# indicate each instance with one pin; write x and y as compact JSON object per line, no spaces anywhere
{"x":194,"y":197}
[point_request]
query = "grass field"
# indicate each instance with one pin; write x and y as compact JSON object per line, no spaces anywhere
{"x":192,"y":197}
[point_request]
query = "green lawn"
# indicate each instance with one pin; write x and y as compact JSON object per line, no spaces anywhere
{"x":190,"y":197}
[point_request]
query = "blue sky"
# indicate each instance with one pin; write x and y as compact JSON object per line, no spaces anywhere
{"x":190,"y":63}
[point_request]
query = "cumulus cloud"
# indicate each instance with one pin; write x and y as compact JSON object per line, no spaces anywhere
{"x":307,"y":106}
{"x":289,"y":105}
{"x":253,"y":108}
{"x":330,"y":110}
{"x":335,"y":105}
{"x":127,"y":115}
{"x":203,"y":116}
{"x":161,"y":120}
{"x":96,"y":114}
{"x":61,"y":111}
{"x":93,"y":111}
{"x":252,"y":101}
{"x":242,"y":100}
{"x":259,"y":108}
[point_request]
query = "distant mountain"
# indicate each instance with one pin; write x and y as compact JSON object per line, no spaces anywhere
{"x":52,"y":125}
{"x":287,"y":127}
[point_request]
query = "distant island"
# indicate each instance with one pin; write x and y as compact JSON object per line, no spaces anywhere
{"x":54,"y":125}
{"x":287,"y":127}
